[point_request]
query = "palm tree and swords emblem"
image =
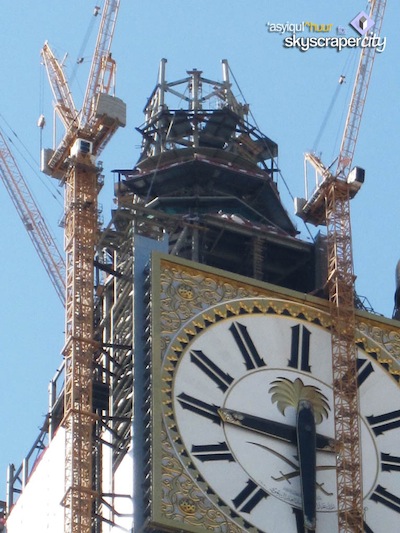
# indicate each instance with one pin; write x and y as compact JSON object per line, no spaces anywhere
{"x":311,"y":407}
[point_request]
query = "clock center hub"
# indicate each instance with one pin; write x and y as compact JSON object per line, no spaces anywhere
{"x":269,"y":455}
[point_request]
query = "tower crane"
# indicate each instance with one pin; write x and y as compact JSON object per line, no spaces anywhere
{"x":31,"y":217}
{"x":74,"y":162}
{"x":330,"y":205}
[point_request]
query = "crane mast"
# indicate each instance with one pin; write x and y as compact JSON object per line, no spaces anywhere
{"x":74,"y":161}
{"x":330,"y":205}
{"x":32,"y":219}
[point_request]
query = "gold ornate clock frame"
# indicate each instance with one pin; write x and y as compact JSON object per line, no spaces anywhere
{"x":183,"y":301}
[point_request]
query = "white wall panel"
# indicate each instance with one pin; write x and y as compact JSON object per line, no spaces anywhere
{"x":38,"y":509}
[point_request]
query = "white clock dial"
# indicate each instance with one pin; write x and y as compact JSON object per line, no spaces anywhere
{"x":236,"y":388}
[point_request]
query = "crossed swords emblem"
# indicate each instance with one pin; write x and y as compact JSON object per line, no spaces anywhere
{"x":296,"y":471}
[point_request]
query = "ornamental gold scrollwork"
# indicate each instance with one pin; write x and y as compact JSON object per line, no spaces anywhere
{"x":185,"y":294}
{"x":188,"y":293}
{"x":375,"y":337}
{"x":182,"y":500}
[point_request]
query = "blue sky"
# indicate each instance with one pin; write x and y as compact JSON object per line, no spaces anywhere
{"x":294,"y":97}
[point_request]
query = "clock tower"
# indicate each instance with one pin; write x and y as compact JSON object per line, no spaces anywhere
{"x":221,"y":367}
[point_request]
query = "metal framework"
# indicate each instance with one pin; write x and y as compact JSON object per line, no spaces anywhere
{"x":101,"y":113}
{"x":344,"y":358}
{"x":118,"y":240}
{"x":80,"y":239}
{"x":63,"y":100}
{"x":102,"y":72}
{"x":86,"y":135}
{"x":198,"y":143}
{"x":213,"y":119}
{"x":33,"y":221}
{"x":333,"y":193}
{"x":359,"y":94}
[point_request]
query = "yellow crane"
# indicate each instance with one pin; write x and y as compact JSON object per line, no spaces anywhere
{"x":330,"y":205}
{"x":74,"y":162}
{"x":31,"y":217}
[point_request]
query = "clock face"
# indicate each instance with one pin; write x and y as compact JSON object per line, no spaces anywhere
{"x":236,"y":379}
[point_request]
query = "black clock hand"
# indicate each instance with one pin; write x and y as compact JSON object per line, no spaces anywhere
{"x":306,"y":450}
{"x":271,"y":428}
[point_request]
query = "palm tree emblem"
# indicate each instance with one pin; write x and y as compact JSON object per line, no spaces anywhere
{"x":287,"y":393}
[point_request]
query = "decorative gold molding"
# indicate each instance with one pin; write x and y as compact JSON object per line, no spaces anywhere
{"x":183,"y":502}
{"x":383,"y":341}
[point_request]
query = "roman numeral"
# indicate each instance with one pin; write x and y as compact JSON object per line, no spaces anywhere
{"x":300,"y":351}
{"x":383,"y":423}
{"x":367,"y":529}
{"x":199,"y":407}
{"x":245,"y":344}
{"x":249,"y":497}
{"x":205,"y":364}
{"x":381,"y":495}
{"x":389,"y":463}
{"x":364,"y":369}
{"x":212,"y":452}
